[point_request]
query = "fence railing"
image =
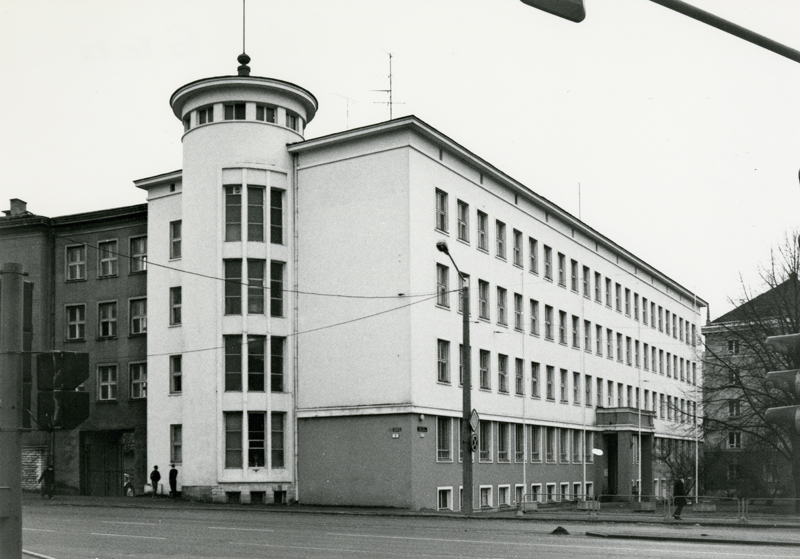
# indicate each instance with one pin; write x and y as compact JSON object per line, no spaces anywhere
{"x":771,"y":507}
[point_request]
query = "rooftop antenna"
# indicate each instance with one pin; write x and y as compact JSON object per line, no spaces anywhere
{"x":243,"y":69}
{"x":391,"y":103}
{"x":347,"y":114}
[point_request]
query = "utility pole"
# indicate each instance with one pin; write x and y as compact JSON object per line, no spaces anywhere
{"x":11,"y":311}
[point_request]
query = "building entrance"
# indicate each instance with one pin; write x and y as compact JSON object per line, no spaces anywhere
{"x":107,"y":462}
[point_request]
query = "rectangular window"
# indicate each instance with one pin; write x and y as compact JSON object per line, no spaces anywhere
{"x":485,"y":443}
{"x":175,"y":302}
{"x":233,"y":212}
{"x":617,"y":297}
{"x":483,"y":225}
{"x":256,"y":439}
{"x":276,"y":216}
{"x":627,"y":302}
{"x":176,"y":443}
{"x":107,"y":382}
{"x":636,"y":306}
{"x":292,"y":121}
{"x":587,"y":280}
{"x":107,"y":320}
{"x":534,"y":317}
{"x":76,"y":322}
{"x":442,"y":286}
{"x":576,"y":342}
{"x":588,"y":390}
{"x":548,"y":322}
{"x":599,"y":399}
{"x":255,"y":286}
{"x":265,"y":113}
{"x":444,"y":439}
{"x":235,"y":111}
{"x":502,"y":373}
{"x":608,"y":293}
{"x":255,"y":214}
{"x":536,"y":443}
{"x":519,"y":447}
{"x":598,"y":289}
{"x":548,"y":263}
{"x":517,"y":248}
{"x":550,"y":444}
{"x":519,"y":318}
{"x":137,"y":373}
{"x":233,"y":439}
{"x":503,"y":433}
{"x":501,"y":239}
{"x":138,"y":254}
{"x":233,"y":363}
{"x":562,"y":327}
{"x":443,"y":360}
{"x":576,"y":388}
{"x":276,"y":288}
{"x":562,"y":271}
{"x":233,"y":287}
{"x":564,"y":444}
{"x":138,"y":316}
{"x":486,"y":496}
{"x":205,"y":115}
{"x":533,"y":248}
{"x":735,"y":439}
{"x":463,"y":221}
{"x":256,"y":346}
{"x":175,"y":239}
{"x":175,"y":374}
{"x":485,"y":373}
{"x":441,"y":210}
{"x":551,"y":390}
{"x":573,"y":267}
{"x":577,"y":448}
{"x":107,"y":252}
{"x":76,"y":263}
{"x":564,"y":387}
{"x":644,"y":311}
{"x":445,"y":499}
{"x":520,"y":377}
{"x":502,"y":317}
{"x":534,"y":380}
{"x":276,"y":363}
{"x":610,"y":394}
{"x":587,"y":335}
{"x":483,"y":299}
{"x":619,"y":347}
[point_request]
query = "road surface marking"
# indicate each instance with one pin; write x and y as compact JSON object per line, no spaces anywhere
{"x":128,"y":536}
{"x":134,"y":523}
{"x":38,"y":530}
{"x":240,"y":529}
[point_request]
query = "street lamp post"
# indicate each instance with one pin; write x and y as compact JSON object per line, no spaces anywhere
{"x":466,"y":386}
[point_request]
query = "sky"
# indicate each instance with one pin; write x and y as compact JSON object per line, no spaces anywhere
{"x":675,"y":140}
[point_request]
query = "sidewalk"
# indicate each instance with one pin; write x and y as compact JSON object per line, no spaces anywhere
{"x":633,"y":526}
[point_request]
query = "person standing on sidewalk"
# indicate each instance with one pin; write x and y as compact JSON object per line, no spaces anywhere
{"x":155,"y":477}
{"x":48,"y":480}
{"x":679,"y":497}
{"x":173,"y":482}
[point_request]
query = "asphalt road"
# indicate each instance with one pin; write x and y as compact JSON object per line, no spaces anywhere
{"x":65,"y":532}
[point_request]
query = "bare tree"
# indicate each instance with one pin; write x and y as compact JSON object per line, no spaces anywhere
{"x":736,"y":393}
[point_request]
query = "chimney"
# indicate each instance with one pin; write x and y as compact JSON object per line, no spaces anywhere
{"x":18,"y":207}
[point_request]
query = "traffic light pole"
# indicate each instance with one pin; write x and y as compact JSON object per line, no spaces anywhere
{"x":11,"y":310}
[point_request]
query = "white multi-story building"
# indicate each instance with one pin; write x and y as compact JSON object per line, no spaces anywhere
{"x":304,"y":335}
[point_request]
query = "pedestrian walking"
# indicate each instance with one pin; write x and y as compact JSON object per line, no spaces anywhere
{"x":173,"y":482}
{"x":48,"y":481}
{"x":155,"y":477}
{"x":679,"y":497}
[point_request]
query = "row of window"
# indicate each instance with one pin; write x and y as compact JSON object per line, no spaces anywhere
{"x":107,"y":319}
{"x":107,"y":381}
{"x":623,"y":299}
{"x":239,"y":111}
{"x":252,"y":214}
{"x":667,"y":407}
{"x":107,"y":259}
{"x":251,"y":374}
{"x":263,"y":436}
{"x":254,"y":288}
{"x":506,"y":442}
{"x":566,"y":492}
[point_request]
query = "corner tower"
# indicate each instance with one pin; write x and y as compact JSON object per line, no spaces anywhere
{"x":221,"y":318}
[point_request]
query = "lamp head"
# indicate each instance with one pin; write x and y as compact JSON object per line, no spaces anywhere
{"x":442,"y":247}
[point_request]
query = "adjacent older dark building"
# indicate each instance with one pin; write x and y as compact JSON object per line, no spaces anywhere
{"x":89,"y":276}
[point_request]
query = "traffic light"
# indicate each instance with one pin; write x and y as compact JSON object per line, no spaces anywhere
{"x":786,"y":415}
{"x":58,"y":375}
{"x":572,"y":10}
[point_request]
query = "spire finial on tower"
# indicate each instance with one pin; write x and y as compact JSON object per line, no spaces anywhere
{"x":243,"y":69}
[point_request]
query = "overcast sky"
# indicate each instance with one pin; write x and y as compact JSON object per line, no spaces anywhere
{"x":683,"y":139}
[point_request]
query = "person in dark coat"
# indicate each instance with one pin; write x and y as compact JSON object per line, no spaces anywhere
{"x":48,"y":481}
{"x":155,"y":477}
{"x":173,"y":482}
{"x":679,"y":498}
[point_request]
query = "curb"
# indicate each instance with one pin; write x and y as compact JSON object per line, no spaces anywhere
{"x":692,"y":540}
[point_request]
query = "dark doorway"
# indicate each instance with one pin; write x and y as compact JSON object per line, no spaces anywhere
{"x":106,"y":459}
{"x":611,"y":463}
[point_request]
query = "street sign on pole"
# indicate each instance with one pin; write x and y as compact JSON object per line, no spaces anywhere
{"x":474,"y":420}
